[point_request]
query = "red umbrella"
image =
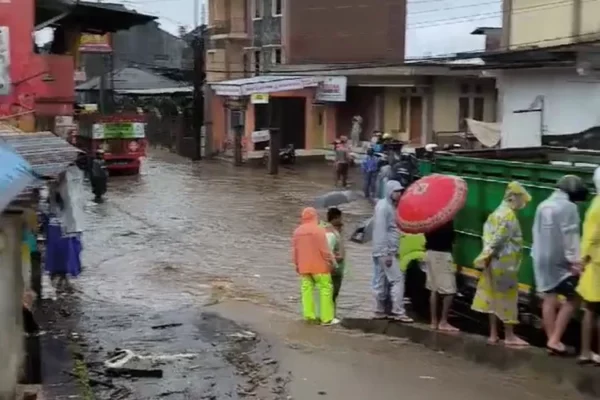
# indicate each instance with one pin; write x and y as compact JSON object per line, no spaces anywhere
{"x":431,"y":202}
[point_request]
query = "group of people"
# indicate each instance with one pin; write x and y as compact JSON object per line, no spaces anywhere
{"x":566,"y":264}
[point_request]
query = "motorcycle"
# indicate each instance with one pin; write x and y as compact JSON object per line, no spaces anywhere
{"x":287,"y":155}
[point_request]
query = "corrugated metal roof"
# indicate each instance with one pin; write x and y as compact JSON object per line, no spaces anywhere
{"x":48,"y":154}
{"x":131,"y":79}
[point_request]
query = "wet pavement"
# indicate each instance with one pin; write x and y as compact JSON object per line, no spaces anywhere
{"x":168,"y":244}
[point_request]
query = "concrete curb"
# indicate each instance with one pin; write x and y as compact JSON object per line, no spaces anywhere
{"x":585,"y":379}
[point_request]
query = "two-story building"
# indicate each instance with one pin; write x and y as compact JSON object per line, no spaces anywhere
{"x":320,"y":65}
{"x":547,"y":70}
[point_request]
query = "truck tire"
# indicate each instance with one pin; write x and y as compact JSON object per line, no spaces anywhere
{"x":415,"y":289}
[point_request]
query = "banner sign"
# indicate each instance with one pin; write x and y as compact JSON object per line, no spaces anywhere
{"x":332,"y":89}
{"x":89,"y":43}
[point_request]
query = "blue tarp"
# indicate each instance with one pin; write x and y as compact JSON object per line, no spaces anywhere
{"x":15,"y":175}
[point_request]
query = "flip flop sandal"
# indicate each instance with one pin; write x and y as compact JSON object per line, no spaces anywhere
{"x":558,"y":353}
{"x":405,"y":319}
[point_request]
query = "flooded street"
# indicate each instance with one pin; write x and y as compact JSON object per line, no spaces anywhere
{"x":174,"y":256}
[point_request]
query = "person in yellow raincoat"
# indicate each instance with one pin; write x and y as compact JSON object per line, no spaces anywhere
{"x":498,"y":287}
{"x":589,"y":283}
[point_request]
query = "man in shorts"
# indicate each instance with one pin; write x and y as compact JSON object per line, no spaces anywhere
{"x":556,"y":259}
{"x":441,"y":277}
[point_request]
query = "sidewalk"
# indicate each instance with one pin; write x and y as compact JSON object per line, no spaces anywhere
{"x":475,"y":348}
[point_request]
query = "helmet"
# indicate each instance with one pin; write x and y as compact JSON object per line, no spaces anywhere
{"x":574,"y":187}
{"x":387,"y":135}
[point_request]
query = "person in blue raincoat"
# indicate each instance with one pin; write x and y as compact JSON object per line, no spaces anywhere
{"x":369,"y":169}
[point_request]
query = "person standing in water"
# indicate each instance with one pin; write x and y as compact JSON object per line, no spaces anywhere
{"x":314,"y":263}
{"x":98,"y":176}
{"x":342,"y":161}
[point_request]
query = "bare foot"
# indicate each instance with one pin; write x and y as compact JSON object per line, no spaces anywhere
{"x":446,"y":327}
{"x":515,"y":342}
{"x":434,"y":326}
{"x":493,"y":340}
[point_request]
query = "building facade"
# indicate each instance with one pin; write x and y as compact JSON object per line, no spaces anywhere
{"x":336,"y":31}
{"x":228,"y":35}
{"x":539,"y":23}
{"x":249,"y":37}
{"x":415,"y":104}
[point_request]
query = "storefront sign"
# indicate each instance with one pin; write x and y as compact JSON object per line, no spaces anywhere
{"x":259,"y":98}
{"x":270,"y":86}
{"x":5,"y":82}
{"x":261,"y":136}
{"x":332,"y":89}
{"x":89,"y":43}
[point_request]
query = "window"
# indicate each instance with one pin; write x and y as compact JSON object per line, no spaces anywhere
{"x":258,"y":8}
{"x":257,"y":61}
{"x":277,"y":7}
{"x":403,"y":112}
{"x":464,"y":88}
{"x":276,"y":56}
{"x":478,"y":104}
{"x":464,"y":111}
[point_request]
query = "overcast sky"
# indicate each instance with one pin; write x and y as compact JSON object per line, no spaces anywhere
{"x":433,"y":26}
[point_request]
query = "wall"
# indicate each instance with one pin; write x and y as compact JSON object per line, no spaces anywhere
{"x":228,"y":35}
{"x":542,"y":23}
{"x":43,"y":83}
{"x":266,"y":31}
{"x":344,"y":31}
{"x":11,"y":292}
{"x":359,"y":101}
{"x":572,"y":104}
{"x":446,"y":92}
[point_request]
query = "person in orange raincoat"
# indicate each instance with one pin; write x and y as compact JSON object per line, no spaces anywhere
{"x":314,"y":263}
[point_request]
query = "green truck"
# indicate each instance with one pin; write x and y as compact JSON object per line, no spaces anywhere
{"x":487,"y":173}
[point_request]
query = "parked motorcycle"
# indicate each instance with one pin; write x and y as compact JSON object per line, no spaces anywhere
{"x":287,"y":155}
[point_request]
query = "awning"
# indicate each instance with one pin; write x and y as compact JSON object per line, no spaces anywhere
{"x":48,"y":154}
{"x":263,"y":84}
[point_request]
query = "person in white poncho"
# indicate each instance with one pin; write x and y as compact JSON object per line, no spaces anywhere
{"x":556,"y":259}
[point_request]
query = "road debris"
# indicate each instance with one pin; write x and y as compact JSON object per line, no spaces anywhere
{"x":166,"y":326}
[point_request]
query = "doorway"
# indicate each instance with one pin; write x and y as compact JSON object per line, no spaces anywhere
{"x":292,"y":120}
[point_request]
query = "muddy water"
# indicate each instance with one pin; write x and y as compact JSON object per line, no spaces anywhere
{"x":180,"y":230}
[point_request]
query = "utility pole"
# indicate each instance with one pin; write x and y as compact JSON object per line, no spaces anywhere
{"x":198,"y":82}
{"x":196,"y":12}
{"x":274,"y":131}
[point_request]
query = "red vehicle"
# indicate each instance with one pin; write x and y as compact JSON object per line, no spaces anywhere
{"x":121,"y":136}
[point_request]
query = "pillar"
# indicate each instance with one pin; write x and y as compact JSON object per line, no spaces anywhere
{"x":11,"y":301}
